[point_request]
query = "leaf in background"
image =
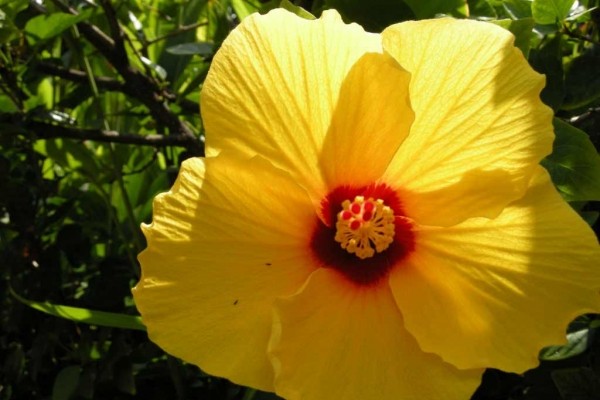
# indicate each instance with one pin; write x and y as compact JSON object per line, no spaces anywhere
{"x":219,"y":21}
{"x":6,"y":104}
{"x":547,"y":60}
{"x":69,"y":154}
{"x":578,"y":342}
{"x":243,"y":8}
{"x":65,"y":383}
{"x":91,"y":317}
{"x":299,"y":11}
{"x":582,"y":81}
{"x":45,"y":27}
{"x":574,"y":164}
{"x":123,"y":373}
{"x":522,"y":29}
{"x":431,"y":8}
{"x":590,"y":216}
{"x":577,"y":383}
{"x":8,"y":12}
{"x":374,"y":15}
{"x":518,"y":9}
{"x":193,"y":48}
{"x":481,"y":8}
{"x":547,"y":12}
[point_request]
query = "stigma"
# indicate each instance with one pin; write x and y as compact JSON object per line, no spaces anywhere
{"x":364,"y":227}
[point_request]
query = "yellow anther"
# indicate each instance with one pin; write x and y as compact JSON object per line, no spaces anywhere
{"x":364,"y":227}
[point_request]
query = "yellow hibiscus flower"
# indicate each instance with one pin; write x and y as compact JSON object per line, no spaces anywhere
{"x":371,"y":220}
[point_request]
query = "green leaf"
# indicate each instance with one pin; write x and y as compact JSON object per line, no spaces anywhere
{"x":8,"y":12}
{"x":7,"y":105}
{"x":244,"y":8}
{"x":65,"y":383}
{"x":547,"y":60}
{"x":481,"y":8}
{"x":546,"y":12}
{"x":591,"y":217}
{"x":84,"y":315}
{"x":45,"y":27}
{"x":522,"y":29}
{"x":582,"y":81}
{"x":574,"y":164}
{"x":431,"y":8}
{"x":578,"y":342}
{"x":299,"y":11}
{"x":518,"y":9}
{"x":69,"y":154}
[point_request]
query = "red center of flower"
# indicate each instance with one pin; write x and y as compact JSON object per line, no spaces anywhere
{"x":364,"y":232}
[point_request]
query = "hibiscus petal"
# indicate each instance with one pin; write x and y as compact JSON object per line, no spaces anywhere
{"x":224,"y":242}
{"x":371,"y":120}
{"x":273,"y":86}
{"x":494,"y":292}
{"x":335,"y":340}
{"x":480,"y":125}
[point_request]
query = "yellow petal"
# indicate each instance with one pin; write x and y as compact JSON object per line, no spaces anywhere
{"x":224,"y":242}
{"x":494,"y":292}
{"x":335,"y":340}
{"x":372,"y":118}
{"x":479,"y":123}
{"x":273,"y":86}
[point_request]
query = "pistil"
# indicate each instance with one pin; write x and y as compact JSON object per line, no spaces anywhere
{"x":364,"y":227}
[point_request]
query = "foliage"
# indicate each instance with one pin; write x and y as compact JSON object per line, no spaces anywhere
{"x":98,"y":108}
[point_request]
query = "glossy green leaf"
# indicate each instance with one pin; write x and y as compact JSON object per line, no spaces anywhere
{"x":84,"y":315}
{"x":48,"y":26}
{"x":578,"y":342}
{"x":546,"y":12}
{"x":574,"y":164}
{"x":518,"y":9}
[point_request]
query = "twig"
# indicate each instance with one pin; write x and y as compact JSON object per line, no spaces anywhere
{"x":45,"y":130}
{"x":76,"y":75}
{"x":178,"y":31}
{"x":579,"y":36}
{"x":106,"y":83}
{"x":140,"y":86}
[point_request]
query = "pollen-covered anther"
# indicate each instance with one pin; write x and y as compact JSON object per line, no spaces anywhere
{"x":364,"y":227}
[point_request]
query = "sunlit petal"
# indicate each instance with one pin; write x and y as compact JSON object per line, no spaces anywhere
{"x":224,"y":242}
{"x":480,"y":126}
{"x":372,"y":118}
{"x":494,"y":292}
{"x":335,"y":341}
{"x":273,"y":86}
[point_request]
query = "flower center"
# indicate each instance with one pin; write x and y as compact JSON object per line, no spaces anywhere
{"x":364,"y":227}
